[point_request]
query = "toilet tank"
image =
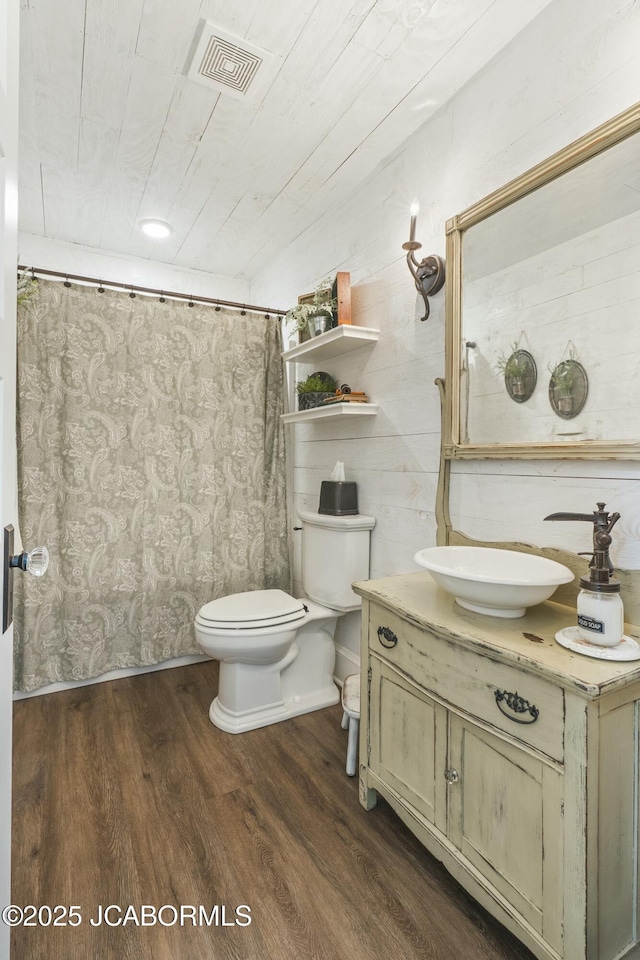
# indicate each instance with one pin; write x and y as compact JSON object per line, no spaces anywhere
{"x":335,"y":552}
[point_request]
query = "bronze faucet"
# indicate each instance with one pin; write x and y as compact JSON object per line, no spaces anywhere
{"x":600,"y":567}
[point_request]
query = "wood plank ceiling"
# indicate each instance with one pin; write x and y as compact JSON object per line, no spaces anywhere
{"x":113,"y":131}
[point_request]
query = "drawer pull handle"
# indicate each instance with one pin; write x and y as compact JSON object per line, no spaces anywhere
{"x":451,"y":775}
{"x":515,"y":707}
{"x":387,"y":637}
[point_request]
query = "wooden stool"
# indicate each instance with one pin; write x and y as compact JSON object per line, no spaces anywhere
{"x":351,"y":718}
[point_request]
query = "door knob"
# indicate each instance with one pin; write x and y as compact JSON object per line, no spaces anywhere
{"x":34,"y":561}
{"x":451,"y":775}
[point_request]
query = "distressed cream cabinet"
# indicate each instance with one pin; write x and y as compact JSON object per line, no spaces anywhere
{"x":512,"y":759}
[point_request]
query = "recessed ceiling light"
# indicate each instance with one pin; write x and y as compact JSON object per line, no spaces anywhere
{"x":157,"y":229}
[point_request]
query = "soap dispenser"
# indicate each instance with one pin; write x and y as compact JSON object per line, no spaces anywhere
{"x":600,"y":609}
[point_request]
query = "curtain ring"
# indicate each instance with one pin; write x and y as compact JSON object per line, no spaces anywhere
{"x":162,"y":298}
{"x":33,"y":276}
{"x":190,"y":304}
{"x":66,"y":282}
{"x":132,"y":294}
{"x":218,"y":306}
{"x":267,"y":316}
{"x":101,"y":288}
{"x":243,"y":312}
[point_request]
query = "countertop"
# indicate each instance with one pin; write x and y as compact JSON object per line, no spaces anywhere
{"x":417,"y":599}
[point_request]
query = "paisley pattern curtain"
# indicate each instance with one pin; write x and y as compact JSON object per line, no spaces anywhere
{"x":151,"y":464}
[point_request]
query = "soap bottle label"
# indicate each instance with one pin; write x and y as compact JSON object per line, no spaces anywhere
{"x":596,"y":626}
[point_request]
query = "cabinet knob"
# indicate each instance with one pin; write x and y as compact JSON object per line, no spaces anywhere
{"x":387,"y":637}
{"x":451,"y":775}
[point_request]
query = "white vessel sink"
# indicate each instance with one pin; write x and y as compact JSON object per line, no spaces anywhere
{"x":499,"y":583}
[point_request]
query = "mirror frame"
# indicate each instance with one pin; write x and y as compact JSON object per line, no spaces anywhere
{"x":606,"y":135}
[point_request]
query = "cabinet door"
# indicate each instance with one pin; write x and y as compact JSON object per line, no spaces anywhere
{"x":505,"y":816}
{"x":408,"y":734}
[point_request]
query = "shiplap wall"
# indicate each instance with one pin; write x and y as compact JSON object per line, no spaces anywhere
{"x":86,"y":261}
{"x":572,"y":68}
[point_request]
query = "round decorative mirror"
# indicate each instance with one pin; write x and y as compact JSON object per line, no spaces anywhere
{"x":568,"y":388}
{"x":520,"y":375}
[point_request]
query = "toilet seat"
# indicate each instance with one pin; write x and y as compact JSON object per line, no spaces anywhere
{"x":251,"y":610}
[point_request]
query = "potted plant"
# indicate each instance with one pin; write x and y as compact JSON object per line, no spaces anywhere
{"x":27,"y":286}
{"x":314,"y":390}
{"x":313,"y":315}
{"x":564,"y":378}
{"x":568,"y":385}
{"x":517,"y":369}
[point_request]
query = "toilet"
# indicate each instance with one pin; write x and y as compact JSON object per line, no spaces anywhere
{"x":276,"y":651}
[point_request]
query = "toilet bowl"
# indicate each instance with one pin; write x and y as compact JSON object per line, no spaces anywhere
{"x":269,"y":672}
{"x":276,"y":652}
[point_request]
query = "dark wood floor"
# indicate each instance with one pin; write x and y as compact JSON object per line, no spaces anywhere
{"x":124,"y":793}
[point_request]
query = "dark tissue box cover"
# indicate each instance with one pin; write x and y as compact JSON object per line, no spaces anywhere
{"x":338,"y":497}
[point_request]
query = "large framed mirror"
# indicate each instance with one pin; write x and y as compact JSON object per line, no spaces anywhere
{"x":543,"y":308}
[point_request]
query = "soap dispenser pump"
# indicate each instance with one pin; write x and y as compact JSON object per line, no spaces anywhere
{"x":600,"y":608}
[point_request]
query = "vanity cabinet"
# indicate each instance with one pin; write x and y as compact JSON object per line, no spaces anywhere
{"x":505,"y":819}
{"x":410,"y":717}
{"x":513,"y":760}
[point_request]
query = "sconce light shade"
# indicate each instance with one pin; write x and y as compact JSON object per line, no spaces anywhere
{"x":428,"y":274}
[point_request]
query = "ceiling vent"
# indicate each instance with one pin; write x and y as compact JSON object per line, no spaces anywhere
{"x":227,"y":63}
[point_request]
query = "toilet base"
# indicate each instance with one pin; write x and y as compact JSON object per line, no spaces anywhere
{"x":241,"y":722}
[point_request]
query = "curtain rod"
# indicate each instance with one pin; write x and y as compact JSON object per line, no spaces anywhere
{"x":162,"y":293}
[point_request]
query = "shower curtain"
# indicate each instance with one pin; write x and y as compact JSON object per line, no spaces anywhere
{"x":151,"y":464}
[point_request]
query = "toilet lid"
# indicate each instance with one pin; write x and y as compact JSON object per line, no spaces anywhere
{"x":263,"y":608}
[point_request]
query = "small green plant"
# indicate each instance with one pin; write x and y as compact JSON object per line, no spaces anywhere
{"x":565,"y":375}
{"x":322,"y":304}
{"x":317,"y":383}
{"x":27,"y":286}
{"x":514,"y":365}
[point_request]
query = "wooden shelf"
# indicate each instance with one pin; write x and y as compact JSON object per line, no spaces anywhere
{"x":332,"y":410}
{"x":333,"y":343}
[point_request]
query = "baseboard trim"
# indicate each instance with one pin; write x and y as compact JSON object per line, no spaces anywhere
{"x":112,"y":675}
{"x":347,"y":662}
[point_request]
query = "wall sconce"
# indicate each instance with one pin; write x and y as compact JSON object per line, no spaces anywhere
{"x":428,"y":274}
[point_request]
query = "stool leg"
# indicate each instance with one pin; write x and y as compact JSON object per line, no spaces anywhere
{"x":345,"y":720}
{"x":352,"y":746}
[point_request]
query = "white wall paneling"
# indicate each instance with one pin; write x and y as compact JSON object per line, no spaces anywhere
{"x":571,"y":68}
{"x":507,"y":505}
{"x":74,"y":258}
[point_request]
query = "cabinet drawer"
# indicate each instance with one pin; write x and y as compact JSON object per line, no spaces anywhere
{"x":520,"y":704}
